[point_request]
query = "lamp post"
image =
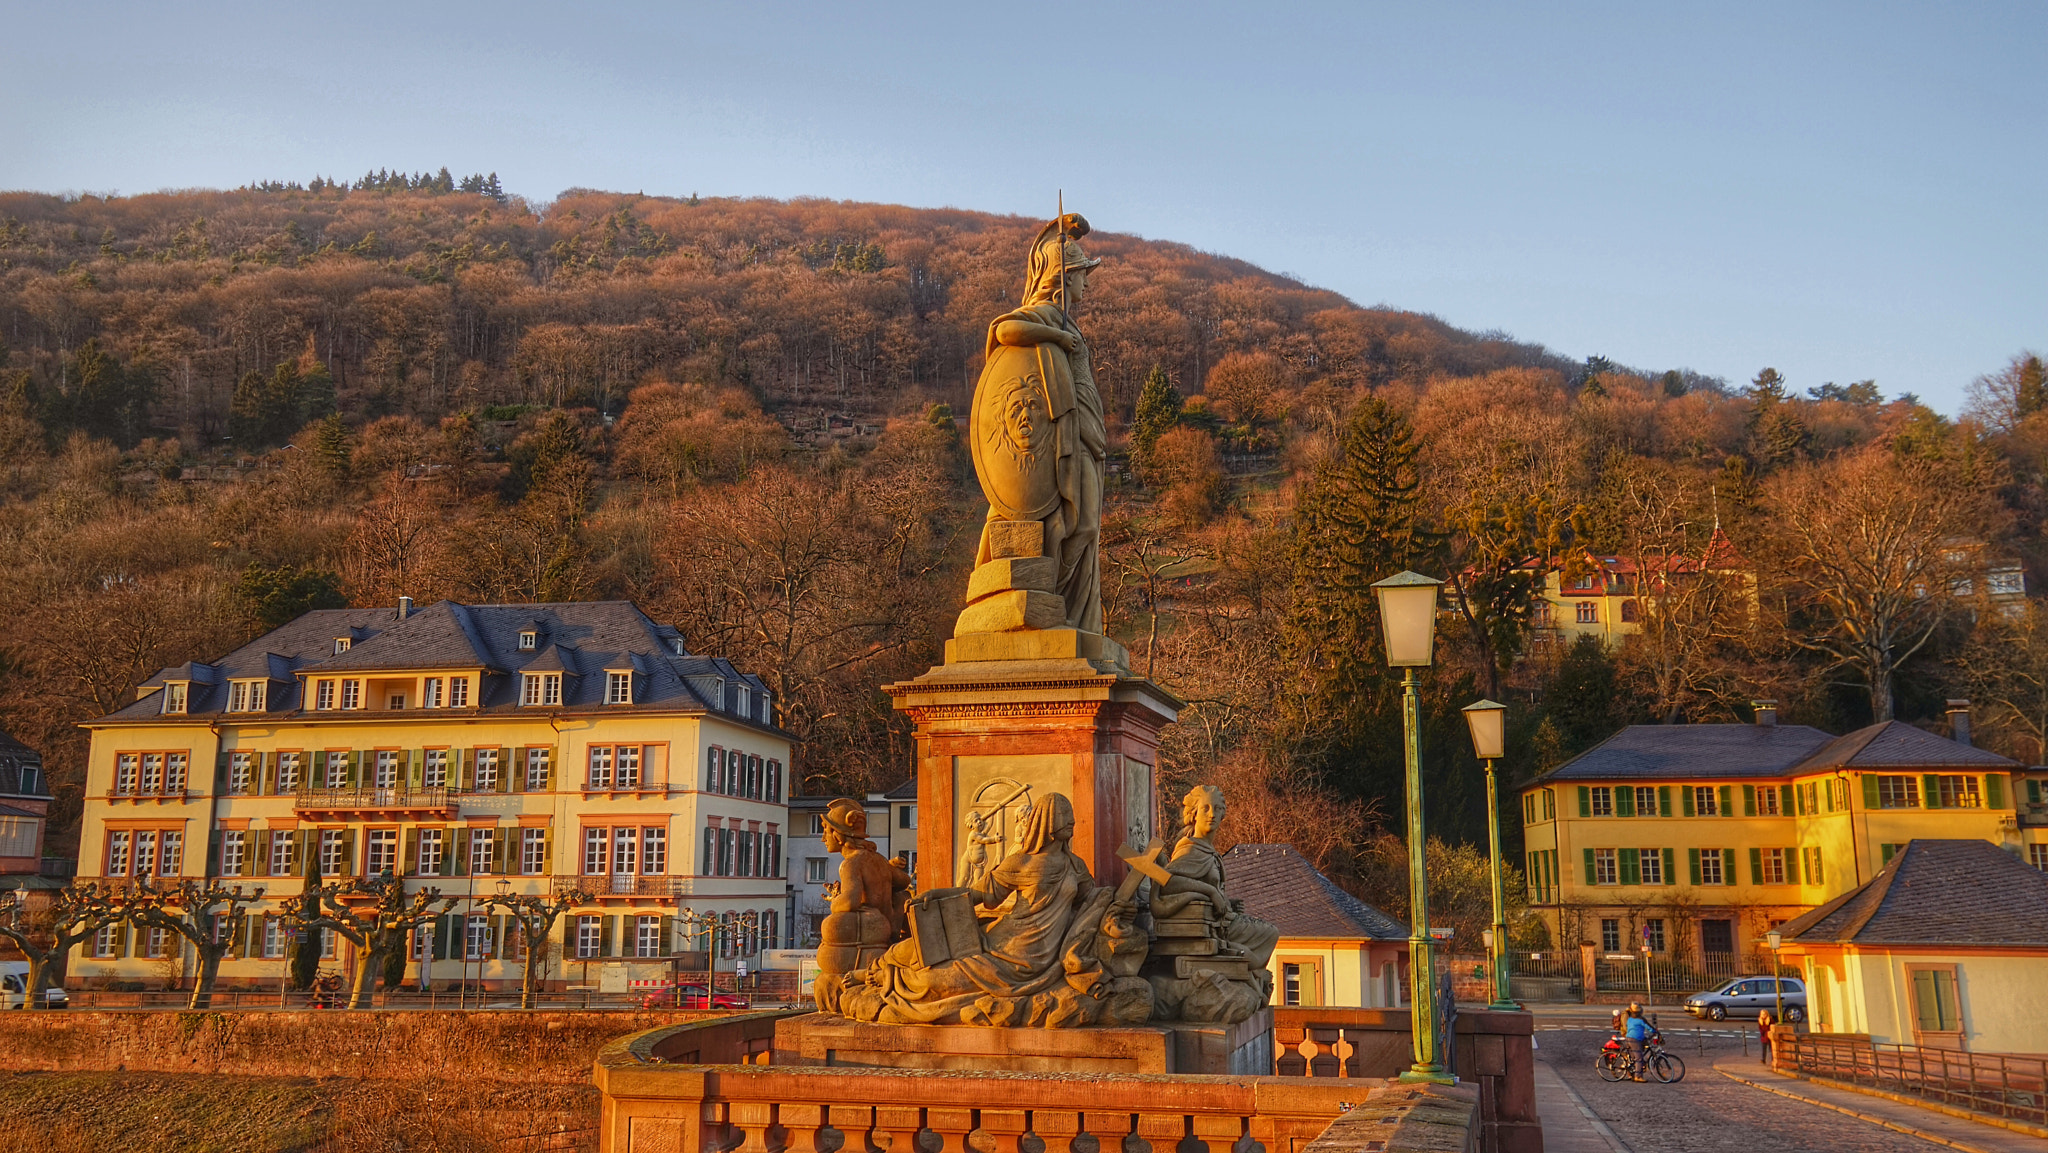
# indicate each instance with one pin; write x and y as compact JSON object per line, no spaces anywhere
{"x":1408,"y":625}
{"x":1488,"y":722}
{"x":1775,"y":939}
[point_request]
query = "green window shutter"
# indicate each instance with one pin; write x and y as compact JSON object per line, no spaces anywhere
{"x":263,"y":853}
{"x":1870,"y":790}
{"x":220,"y":775}
{"x":2033,"y":792}
{"x":1826,"y":789}
{"x":1692,"y":863}
{"x":1671,"y":866}
{"x":212,"y":866}
{"x":414,"y":766}
{"x":1631,"y":867}
{"x":348,"y":853}
{"x":1624,"y":801}
{"x":412,"y":852}
{"x":1663,"y":800}
{"x":465,"y":770}
{"x":498,"y":936}
{"x":547,"y":851}
{"x":1816,"y":868}
{"x":608,"y":937}
{"x":1994,"y":790}
{"x":1885,"y":853}
{"x":1785,"y":800}
{"x":442,"y":926}
{"x":505,"y":773}
{"x":501,"y":840}
{"x":1727,"y":800}
{"x":1685,"y":799}
{"x":1727,"y":866}
{"x":1749,"y":800}
{"x":461,"y":851}
{"x":668,"y":935}
{"x":1930,"y":791}
{"x":268,"y":782}
{"x":355,"y":767}
{"x":1587,"y":877}
{"x":1585,"y":801}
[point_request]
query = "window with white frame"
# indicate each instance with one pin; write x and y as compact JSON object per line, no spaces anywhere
{"x":536,"y":770}
{"x":541,"y":689}
{"x":1710,"y":867}
{"x":528,"y":641}
{"x":1606,"y":867}
{"x":1959,"y":792}
{"x":629,"y":766}
{"x":117,"y":853}
{"x":1603,"y":801}
{"x":170,"y":853}
{"x":145,"y":853}
{"x":174,"y":774}
{"x":1705,"y":801}
{"x":814,"y":870}
{"x":647,"y":940}
{"x":245,"y":696}
{"x":485,"y":778}
{"x":273,"y":938}
{"x":283,"y":854}
{"x":387,"y":769}
{"x":596,"y":851}
{"x":600,"y":767}
{"x":351,"y":694}
{"x":152,"y":773}
{"x":287,"y":772}
{"x":618,"y":688}
{"x":174,"y":697}
{"x":323,"y":695}
{"x":483,"y":851}
{"x":1646,"y":800}
{"x":430,"y":693}
{"x":1767,"y":800}
{"x":334,"y":853}
{"x":1652,"y":865}
{"x":383,"y":853}
{"x":431,"y":850}
{"x":1900,"y":792}
{"x":341,"y":644}
{"x":2037,"y":855}
{"x":397,"y":700}
{"x":336,"y":775}
{"x":434,"y":768}
{"x":232,"y":852}
{"x":653,"y":850}
{"x":1610,"y":934}
{"x":589,"y":936}
{"x":533,"y":851}
{"x":625,"y":850}
{"x":107,"y":941}
{"x":1588,"y":613}
{"x":241,"y":771}
{"x":125,"y":773}
{"x":1773,"y":861}
{"x":478,"y":937}
{"x":458,"y":692}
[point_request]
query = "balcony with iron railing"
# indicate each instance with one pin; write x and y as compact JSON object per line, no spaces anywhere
{"x":604,"y":885}
{"x":372,"y":799}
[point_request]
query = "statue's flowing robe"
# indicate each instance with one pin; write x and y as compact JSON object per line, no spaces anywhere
{"x":1073,"y":525}
{"x":1197,"y":859}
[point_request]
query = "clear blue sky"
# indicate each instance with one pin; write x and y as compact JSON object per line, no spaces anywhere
{"x":1841,"y":191}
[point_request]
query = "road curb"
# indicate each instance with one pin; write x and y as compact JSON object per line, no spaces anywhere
{"x":1882,"y":1122}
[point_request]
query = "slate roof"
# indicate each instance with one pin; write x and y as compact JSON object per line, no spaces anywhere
{"x":578,"y":639}
{"x":1892,"y":744}
{"x":1937,"y":893}
{"x":1693,"y":752}
{"x":16,"y":760}
{"x":1277,"y":884}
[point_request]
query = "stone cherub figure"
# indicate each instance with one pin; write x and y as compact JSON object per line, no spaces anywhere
{"x":1210,"y":962}
{"x":867,"y":903}
{"x":1059,"y":950}
{"x":1038,"y":433}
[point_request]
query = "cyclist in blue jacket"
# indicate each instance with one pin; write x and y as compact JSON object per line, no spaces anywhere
{"x":1639,"y":1032}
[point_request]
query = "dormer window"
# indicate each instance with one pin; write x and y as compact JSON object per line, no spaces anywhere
{"x":246,"y":696}
{"x":341,"y":644}
{"x":618,"y":688}
{"x":541,"y":689}
{"x":528,"y":640}
{"x":745,"y":706}
{"x":174,"y":696}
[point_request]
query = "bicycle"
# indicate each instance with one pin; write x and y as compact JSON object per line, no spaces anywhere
{"x":1616,"y":1063}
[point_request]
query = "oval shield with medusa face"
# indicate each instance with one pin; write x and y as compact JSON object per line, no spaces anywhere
{"x":1015,"y":454}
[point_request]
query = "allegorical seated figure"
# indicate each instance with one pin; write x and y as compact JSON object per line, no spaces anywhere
{"x":1059,"y":950}
{"x":1209,"y":961}
{"x":867,"y":903}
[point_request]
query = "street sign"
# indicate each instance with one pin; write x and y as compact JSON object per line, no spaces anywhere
{"x":1443,"y":934}
{"x":1621,"y":956}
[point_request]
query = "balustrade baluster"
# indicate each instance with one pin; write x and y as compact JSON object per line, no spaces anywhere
{"x":854,"y":1121}
{"x":1219,"y":1134}
{"x":1324,"y":1062}
{"x":952,"y":1126}
{"x":755,"y":1119}
{"x":1060,"y":1130}
{"x":1113,"y":1131}
{"x":1162,"y":1132}
{"x":897,"y":1127}
{"x":801,"y":1126}
{"x":715,"y":1131}
{"x":1005,"y":1128}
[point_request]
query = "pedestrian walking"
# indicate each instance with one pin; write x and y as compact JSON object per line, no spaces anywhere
{"x":1638,"y":1038}
{"x":1763,"y":1034}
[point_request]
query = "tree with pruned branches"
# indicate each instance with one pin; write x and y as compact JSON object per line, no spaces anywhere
{"x":74,"y":915}
{"x":209,"y":914}
{"x":535,"y":916}
{"x":377,"y":927}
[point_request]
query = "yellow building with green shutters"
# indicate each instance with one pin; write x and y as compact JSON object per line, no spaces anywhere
{"x":1698,"y":839}
{"x":468,"y":748}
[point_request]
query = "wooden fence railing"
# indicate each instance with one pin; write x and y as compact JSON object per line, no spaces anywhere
{"x":2009,"y":1085}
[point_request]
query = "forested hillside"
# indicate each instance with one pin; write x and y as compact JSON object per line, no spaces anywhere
{"x":220,"y":408}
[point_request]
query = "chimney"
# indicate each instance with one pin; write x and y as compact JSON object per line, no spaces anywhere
{"x":404,"y":607}
{"x":1959,"y":721}
{"x":1766,"y":713}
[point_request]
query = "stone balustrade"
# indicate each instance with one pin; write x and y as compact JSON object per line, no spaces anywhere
{"x":1493,"y":1051}
{"x":707,"y":1087}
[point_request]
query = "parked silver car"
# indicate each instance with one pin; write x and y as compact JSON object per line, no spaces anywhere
{"x":1744,"y":997}
{"x":14,"y":979}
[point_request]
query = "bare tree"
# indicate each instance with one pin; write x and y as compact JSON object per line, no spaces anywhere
{"x":46,"y":936}
{"x":1691,"y":593}
{"x":2004,"y":668}
{"x":378,"y":928}
{"x":535,"y":916}
{"x":1868,"y":547}
{"x":194,"y":910}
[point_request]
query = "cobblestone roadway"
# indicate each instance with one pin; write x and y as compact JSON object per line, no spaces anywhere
{"x":1706,"y":1112}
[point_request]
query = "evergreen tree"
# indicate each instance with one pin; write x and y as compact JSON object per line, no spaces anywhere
{"x":306,"y":957}
{"x":493,"y":189}
{"x":1581,"y":702}
{"x":1159,"y":409}
{"x":331,"y":445}
{"x":2032,"y":396}
{"x":1776,"y":434}
{"x":276,"y":597}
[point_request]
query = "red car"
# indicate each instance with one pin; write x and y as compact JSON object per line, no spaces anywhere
{"x":691,"y":997}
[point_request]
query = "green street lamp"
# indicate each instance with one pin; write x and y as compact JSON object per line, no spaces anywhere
{"x":1488,"y":722}
{"x":1408,"y":624}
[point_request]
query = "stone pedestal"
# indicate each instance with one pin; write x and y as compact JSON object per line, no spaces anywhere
{"x":1012,"y":716}
{"x":1244,"y":1049}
